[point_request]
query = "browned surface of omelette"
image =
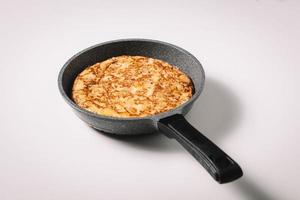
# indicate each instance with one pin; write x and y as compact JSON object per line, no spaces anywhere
{"x":131,"y":86}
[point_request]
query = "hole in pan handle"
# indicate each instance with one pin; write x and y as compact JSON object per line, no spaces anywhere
{"x":220,"y":166}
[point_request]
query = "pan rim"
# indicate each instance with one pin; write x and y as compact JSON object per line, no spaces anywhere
{"x":156,"y":117}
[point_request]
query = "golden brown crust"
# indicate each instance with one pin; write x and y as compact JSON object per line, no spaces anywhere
{"x":131,"y":86}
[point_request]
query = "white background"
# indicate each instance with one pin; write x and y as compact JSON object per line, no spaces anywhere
{"x":250,"y":52}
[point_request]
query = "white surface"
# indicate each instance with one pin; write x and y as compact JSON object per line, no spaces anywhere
{"x":250,"y":52}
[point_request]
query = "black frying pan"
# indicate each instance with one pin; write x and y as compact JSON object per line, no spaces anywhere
{"x":172,"y":123}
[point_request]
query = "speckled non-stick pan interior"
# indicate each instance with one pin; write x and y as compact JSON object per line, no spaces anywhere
{"x":149,"y":48}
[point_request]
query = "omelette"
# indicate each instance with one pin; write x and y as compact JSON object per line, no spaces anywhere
{"x":131,"y":86}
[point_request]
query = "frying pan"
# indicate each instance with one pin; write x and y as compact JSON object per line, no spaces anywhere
{"x":171,"y":123}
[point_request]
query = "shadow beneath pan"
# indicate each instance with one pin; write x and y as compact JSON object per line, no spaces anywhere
{"x":155,"y":142}
{"x":250,"y":190}
{"x":215,"y":113}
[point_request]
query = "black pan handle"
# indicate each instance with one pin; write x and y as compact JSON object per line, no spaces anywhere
{"x":220,"y":166}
